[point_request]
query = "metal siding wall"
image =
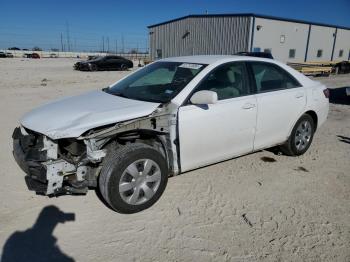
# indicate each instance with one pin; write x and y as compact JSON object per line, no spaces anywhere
{"x":342,"y":43}
{"x":321,"y":37}
{"x":270,"y":33}
{"x":208,"y":35}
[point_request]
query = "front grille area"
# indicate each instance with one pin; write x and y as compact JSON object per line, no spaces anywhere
{"x":29,"y":156}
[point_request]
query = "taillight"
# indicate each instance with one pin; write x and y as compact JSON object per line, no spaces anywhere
{"x":326,"y":92}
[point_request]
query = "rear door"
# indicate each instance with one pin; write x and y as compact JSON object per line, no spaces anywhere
{"x":280,"y":101}
{"x":103,"y":63}
{"x":215,"y":132}
{"x":115,"y":62}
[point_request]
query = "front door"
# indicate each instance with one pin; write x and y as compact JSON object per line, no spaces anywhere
{"x":216,"y":132}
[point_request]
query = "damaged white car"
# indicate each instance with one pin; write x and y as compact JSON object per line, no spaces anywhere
{"x":172,"y":116}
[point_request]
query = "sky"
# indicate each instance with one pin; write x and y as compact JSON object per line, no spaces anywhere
{"x":97,"y":25}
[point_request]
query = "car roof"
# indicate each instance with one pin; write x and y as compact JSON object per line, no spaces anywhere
{"x":211,"y":59}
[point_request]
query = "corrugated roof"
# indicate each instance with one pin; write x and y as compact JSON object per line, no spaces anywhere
{"x":251,"y":15}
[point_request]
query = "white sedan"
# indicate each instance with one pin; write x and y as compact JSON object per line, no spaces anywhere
{"x":172,"y":116}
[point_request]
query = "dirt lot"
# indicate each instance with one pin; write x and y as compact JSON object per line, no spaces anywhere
{"x":260,"y":207}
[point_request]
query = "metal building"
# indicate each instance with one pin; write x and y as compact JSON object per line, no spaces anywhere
{"x":288,"y":40}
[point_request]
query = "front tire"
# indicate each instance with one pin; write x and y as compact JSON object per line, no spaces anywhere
{"x":301,"y":137}
{"x":123,"y":67}
{"x":93,"y":67}
{"x":133,"y":177}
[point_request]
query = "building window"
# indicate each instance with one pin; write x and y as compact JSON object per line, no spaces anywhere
{"x":319,"y":52}
{"x":341,"y":51}
{"x":267,"y":50}
{"x":159,"y":53}
{"x":291,"y":53}
{"x":282,"y":39}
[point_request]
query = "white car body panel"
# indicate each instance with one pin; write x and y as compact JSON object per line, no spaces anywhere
{"x":317,"y":102}
{"x":216,"y":132}
{"x":277,"y":113}
{"x":71,"y":117}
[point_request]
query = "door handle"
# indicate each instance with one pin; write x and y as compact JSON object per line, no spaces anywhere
{"x":299,"y":95}
{"x":248,"y":106}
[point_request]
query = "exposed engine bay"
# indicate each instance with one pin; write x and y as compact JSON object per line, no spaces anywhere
{"x":56,"y":167}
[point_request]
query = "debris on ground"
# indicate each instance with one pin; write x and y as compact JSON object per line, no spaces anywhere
{"x":247,"y":220}
{"x":268,"y":159}
{"x":300,"y":168}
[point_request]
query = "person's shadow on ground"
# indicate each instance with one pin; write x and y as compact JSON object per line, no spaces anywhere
{"x":37,"y":244}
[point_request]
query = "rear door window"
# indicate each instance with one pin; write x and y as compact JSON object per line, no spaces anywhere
{"x":269,"y":77}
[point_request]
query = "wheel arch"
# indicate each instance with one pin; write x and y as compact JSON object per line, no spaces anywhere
{"x":309,"y":112}
{"x":314,"y":117}
{"x":152,"y":138}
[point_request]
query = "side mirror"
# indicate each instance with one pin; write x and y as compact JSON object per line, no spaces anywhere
{"x":204,"y":97}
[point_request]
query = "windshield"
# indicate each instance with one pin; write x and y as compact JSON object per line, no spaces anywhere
{"x":159,"y":82}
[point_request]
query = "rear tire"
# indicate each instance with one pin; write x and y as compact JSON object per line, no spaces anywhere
{"x":301,"y":137}
{"x":133,"y":177}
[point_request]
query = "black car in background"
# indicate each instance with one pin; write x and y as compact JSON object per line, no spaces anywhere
{"x":256,"y":54}
{"x":2,"y":55}
{"x":110,"y":62}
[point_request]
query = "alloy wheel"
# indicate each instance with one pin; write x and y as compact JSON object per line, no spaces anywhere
{"x":139,"y":181}
{"x":303,"y":135}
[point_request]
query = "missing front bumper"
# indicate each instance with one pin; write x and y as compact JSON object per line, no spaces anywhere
{"x":37,"y":157}
{"x":36,"y":172}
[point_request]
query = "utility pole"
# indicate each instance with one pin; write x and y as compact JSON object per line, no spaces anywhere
{"x":68,"y":38}
{"x":61,"y":42}
{"x":107,"y":44}
{"x":103,"y":44}
{"x":137,"y":49}
{"x":122,"y":44}
{"x":116,"y":46}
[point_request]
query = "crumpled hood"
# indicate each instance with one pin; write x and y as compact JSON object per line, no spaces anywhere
{"x":71,"y":117}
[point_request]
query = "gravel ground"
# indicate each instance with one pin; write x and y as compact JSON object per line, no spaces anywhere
{"x":259,"y":207}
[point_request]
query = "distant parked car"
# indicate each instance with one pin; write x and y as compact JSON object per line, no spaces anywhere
{"x":256,"y":54}
{"x":32,"y":55}
{"x":104,"y":63}
{"x":35,"y":55}
{"x":53,"y":55}
{"x":9,"y":55}
{"x":2,"y":55}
